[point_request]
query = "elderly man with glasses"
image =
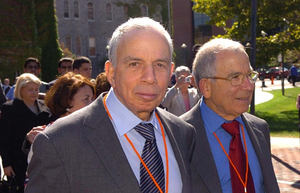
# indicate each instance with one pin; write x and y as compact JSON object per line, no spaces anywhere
{"x":232,"y":152}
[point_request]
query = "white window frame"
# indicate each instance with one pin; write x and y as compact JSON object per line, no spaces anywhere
{"x":76,"y":10}
{"x":88,"y":11}
{"x":68,"y":6}
{"x":107,"y":13}
{"x":70,"y":46}
{"x":78,"y":47}
{"x":146,"y":9}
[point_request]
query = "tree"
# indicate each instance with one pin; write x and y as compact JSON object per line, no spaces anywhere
{"x":278,"y":24}
{"x":18,"y":36}
{"x":46,"y":23}
{"x":28,"y":29}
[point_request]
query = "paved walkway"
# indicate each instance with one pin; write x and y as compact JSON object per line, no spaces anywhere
{"x":285,"y":151}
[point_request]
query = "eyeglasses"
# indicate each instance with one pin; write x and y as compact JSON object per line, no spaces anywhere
{"x":238,"y":79}
{"x":32,"y":67}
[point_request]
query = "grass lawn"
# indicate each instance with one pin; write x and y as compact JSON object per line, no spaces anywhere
{"x":281,"y":113}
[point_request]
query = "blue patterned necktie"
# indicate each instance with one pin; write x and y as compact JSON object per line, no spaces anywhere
{"x":152,"y":159}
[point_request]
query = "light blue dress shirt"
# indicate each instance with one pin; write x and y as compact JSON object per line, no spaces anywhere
{"x":10,"y":93}
{"x":124,"y":121}
{"x":212,"y":123}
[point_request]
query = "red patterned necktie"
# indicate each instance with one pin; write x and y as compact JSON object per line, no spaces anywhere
{"x":238,"y":158}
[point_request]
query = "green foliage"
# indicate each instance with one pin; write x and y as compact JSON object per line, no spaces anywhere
{"x":28,"y":29}
{"x":18,"y":36}
{"x":66,"y":52}
{"x":281,"y":113}
{"x":278,"y":18}
{"x":47,"y":38}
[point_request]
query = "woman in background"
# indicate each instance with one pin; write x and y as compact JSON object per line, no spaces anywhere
{"x":69,"y":93}
{"x":18,"y":117}
{"x":180,"y":98}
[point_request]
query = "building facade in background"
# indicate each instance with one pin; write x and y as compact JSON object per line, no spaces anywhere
{"x":190,"y":28}
{"x":85,"y":26}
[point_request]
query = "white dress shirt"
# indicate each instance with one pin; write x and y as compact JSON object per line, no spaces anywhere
{"x":124,"y":121}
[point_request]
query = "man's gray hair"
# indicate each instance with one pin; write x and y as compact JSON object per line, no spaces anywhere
{"x":204,"y":64}
{"x":142,"y":23}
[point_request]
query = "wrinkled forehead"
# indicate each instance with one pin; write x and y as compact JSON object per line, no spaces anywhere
{"x":140,"y":34}
{"x":236,"y":61}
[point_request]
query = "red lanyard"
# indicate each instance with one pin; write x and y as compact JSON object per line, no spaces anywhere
{"x":165,"y":144}
{"x":247,"y":168}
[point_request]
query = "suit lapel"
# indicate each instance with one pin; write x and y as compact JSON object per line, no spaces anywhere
{"x":255,"y":135}
{"x":106,"y":144}
{"x":261,"y":147}
{"x":169,"y":126}
{"x":170,"y":129}
{"x":203,"y":162}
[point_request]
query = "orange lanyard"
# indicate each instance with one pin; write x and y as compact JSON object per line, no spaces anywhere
{"x":165,"y":144}
{"x":247,"y":168}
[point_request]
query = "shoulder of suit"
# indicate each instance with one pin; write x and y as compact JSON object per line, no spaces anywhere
{"x":173,"y":118}
{"x":253,"y":118}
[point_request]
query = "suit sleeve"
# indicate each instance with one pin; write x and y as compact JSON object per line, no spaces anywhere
{"x":167,"y":100}
{"x":266,"y":132}
{"x":2,"y":97}
{"x":46,"y":171}
{"x":193,"y":142}
{"x":6,"y":131}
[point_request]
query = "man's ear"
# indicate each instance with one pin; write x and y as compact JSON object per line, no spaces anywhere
{"x":110,"y":72}
{"x":205,"y":87}
{"x":59,"y":71}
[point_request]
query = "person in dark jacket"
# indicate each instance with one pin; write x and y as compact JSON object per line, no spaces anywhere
{"x":18,"y":117}
{"x":2,"y":98}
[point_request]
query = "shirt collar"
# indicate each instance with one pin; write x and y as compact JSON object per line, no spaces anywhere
{"x":124,"y":120}
{"x":212,"y":121}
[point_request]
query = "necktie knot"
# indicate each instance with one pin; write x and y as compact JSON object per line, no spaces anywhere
{"x":146,"y":130}
{"x":232,"y":128}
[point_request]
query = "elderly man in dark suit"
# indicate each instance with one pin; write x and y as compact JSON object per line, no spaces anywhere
{"x":121,"y":142}
{"x":232,"y":153}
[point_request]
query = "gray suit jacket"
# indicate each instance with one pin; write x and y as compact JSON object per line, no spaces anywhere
{"x":204,"y":172}
{"x":81,"y":153}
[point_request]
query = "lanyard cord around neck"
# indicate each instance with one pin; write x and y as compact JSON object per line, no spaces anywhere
{"x":165,"y":145}
{"x":231,"y":163}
